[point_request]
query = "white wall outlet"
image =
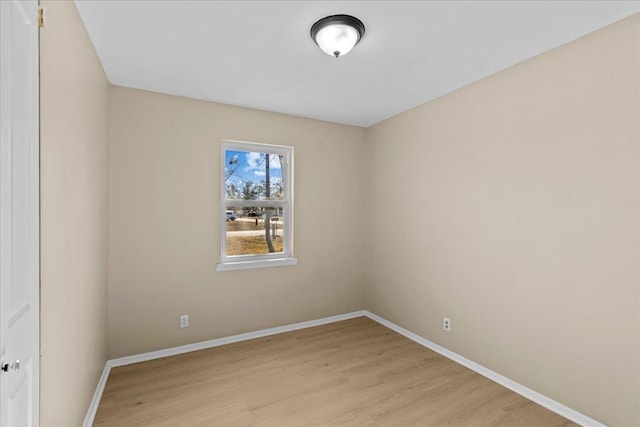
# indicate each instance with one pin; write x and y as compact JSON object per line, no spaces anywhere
{"x":184,"y":321}
{"x":446,"y":324}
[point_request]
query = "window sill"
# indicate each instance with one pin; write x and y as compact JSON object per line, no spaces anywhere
{"x":249,"y":265}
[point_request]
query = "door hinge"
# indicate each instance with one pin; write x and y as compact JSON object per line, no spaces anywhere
{"x":42,"y":17}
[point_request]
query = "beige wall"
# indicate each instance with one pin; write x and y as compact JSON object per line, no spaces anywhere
{"x":165,"y":223}
{"x":518,"y":199}
{"x":74,"y":217}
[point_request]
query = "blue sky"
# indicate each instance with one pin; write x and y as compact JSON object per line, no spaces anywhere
{"x":250,"y":167}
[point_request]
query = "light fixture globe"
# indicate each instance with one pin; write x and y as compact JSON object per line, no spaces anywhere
{"x":336,"y":35}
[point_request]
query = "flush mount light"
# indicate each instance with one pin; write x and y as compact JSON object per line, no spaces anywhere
{"x":336,"y":35}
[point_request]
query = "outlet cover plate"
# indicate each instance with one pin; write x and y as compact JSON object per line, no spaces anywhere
{"x":184,"y":321}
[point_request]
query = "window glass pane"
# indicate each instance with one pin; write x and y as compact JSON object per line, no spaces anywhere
{"x":254,"y":230}
{"x":253,"y":176}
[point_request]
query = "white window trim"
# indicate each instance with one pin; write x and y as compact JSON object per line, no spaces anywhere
{"x":248,"y":265}
{"x":246,"y":262}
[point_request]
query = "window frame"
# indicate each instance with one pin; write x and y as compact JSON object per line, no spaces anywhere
{"x":243,"y":262}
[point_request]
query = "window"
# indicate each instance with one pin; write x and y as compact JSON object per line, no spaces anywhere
{"x":256,"y":208}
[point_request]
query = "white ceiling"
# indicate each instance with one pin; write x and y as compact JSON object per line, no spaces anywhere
{"x":259,"y":54}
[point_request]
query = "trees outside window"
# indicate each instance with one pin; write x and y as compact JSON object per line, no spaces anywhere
{"x":257,"y":188}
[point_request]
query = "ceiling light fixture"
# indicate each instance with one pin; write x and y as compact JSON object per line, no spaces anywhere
{"x":336,"y":35}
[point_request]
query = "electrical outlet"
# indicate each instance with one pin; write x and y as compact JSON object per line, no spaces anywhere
{"x":184,"y":321}
{"x":446,"y":324}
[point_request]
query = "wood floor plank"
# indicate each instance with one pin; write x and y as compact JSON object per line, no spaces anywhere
{"x":351,"y":373}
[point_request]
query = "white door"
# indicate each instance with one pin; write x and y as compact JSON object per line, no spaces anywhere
{"x":19,"y":214}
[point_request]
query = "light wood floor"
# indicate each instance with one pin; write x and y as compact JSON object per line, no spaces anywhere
{"x":351,"y":373}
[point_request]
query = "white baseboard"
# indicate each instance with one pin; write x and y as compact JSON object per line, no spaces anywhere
{"x":93,"y":407}
{"x":534,"y":396}
{"x":229,"y":340}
